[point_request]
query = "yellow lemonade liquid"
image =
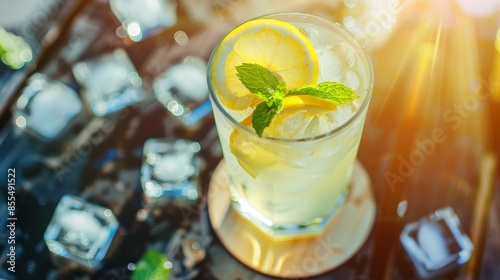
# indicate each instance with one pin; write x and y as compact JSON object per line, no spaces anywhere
{"x":299,"y":170}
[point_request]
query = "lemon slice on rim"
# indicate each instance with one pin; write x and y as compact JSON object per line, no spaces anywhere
{"x":276,"y":45}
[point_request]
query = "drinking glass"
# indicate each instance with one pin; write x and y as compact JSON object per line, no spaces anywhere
{"x":294,"y":186}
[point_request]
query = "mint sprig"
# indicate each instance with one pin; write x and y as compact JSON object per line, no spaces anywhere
{"x":265,"y":85}
{"x":333,"y":92}
{"x":263,"y":115}
{"x":261,"y":82}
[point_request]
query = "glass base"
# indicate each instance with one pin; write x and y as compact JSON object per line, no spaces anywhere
{"x":292,"y":257}
{"x":310,"y":228}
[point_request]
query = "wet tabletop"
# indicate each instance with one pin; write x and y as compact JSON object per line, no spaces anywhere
{"x":430,"y":139}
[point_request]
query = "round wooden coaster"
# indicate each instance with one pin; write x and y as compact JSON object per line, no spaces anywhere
{"x":295,"y":258}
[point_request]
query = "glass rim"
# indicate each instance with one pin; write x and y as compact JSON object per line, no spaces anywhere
{"x":213,"y":96}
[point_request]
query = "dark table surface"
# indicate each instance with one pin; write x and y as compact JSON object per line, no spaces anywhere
{"x":425,"y":66}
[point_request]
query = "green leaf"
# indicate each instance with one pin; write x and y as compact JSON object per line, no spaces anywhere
{"x":334,"y":92}
{"x":263,"y":115}
{"x":151,"y":266}
{"x":278,"y":96}
{"x":280,"y":92}
{"x":265,"y":85}
{"x":258,"y":80}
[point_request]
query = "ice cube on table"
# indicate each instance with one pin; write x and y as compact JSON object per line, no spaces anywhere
{"x":139,"y":18}
{"x":174,"y":167}
{"x":433,"y":242}
{"x":183,"y":91}
{"x":47,"y":108}
{"x":436,"y":243}
{"x":189,"y":80}
{"x":106,"y":77}
{"x":80,"y":233}
{"x":170,"y":169}
{"x":110,"y":82}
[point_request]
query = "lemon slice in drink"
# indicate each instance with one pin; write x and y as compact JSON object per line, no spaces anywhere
{"x":302,"y":115}
{"x":274,"y":44}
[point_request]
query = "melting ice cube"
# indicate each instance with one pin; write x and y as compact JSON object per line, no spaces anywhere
{"x":141,"y":17}
{"x":353,"y":79}
{"x":171,"y":168}
{"x":47,"y":108}
{"x":80,"y":233}
{"x":110,"y":82}
{"x":334,"y":61}
{"x":436,"y":243}
{"x":183,"y":90}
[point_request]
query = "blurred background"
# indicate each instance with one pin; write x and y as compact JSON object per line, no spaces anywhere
{"x":106,"y":127}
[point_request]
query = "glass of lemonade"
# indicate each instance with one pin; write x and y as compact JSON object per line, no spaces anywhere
{"x":290,"y":181}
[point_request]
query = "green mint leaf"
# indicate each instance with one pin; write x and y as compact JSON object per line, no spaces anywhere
{"x":265,"y":85}
{"x":278,"y":96}
{"x":262,"y":82}
{"x":263,"y":115}
{"x":151,"y":266}
{"x":280,"y":92}
{"x":258,"y":80}
{"x":334,"y":92}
